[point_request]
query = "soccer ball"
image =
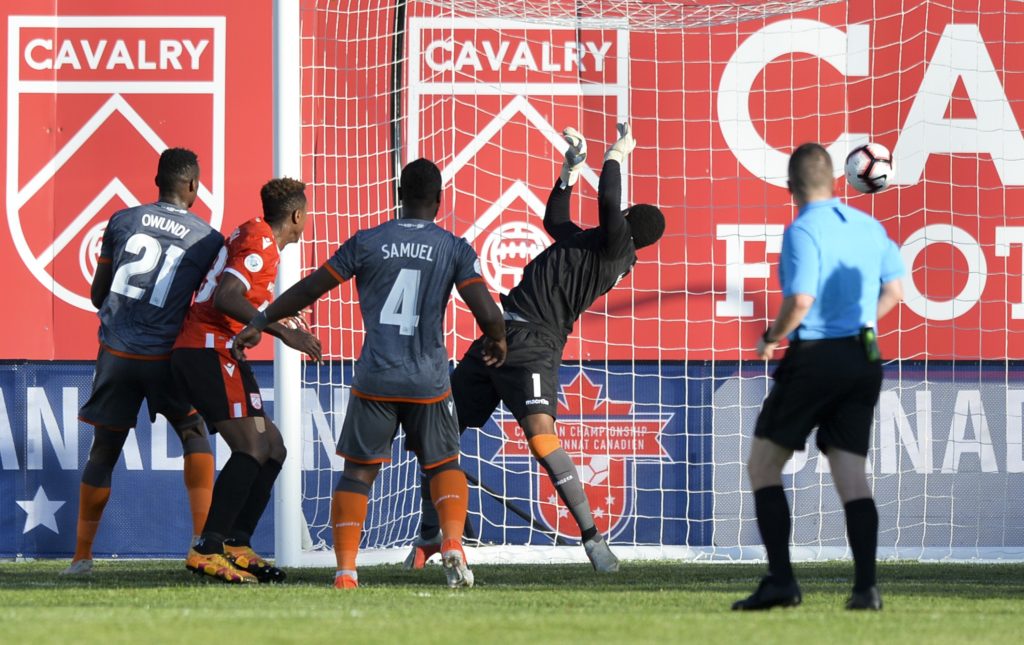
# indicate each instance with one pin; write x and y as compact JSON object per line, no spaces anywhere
{"x":869,"y":168}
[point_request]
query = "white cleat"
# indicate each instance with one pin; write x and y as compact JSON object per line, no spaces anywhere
{"x":600,"y":555}
{"x":455,"y":569}
{"x":78,"y":568}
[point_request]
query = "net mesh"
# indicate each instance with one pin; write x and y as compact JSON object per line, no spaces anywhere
{"x":659,"y":387}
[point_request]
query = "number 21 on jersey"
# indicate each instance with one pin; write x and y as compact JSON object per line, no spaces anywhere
{"x":402,"y":305}
{"x":149,"y":253}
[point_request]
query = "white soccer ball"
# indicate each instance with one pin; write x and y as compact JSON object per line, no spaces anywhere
{"x":869,"y":168}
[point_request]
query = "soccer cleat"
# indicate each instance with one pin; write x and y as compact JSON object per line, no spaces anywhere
{"x":422,"y":550}
{"x":346,"y":580}
{"x":868,"y":599}
{"x":770,"y":594}
{"x":215,"y":565}
{"x":454,"y":560}
{"x":78,"y":568}
{"x":244,"y":558}
{"x":601,"y":555}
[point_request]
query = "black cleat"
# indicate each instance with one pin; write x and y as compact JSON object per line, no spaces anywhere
{"x":770,"y":594}
{"x":867,"y":599}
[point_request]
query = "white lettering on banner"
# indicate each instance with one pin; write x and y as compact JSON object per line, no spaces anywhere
{"x":737,"y":270}
{"x":102,"y":54}
{"x":314,"y":419}
{"x":960,"y":56}
{"x":158,"y":441}
{"x":893,"y":419}
{"x":1006,"y":236}
{"x":848,"y":52}
{"x":969,"y":409}
{"x":977,"y":272}
{"x":8,"y":455}
{"x":1014,"y":431}
{"x":131,"y":454}
{"x":39,"y":416}
{"x":465,"y":56}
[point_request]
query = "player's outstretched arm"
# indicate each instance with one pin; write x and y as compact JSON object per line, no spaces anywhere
{"x":556,"y":215}
{"x":101,"y":282}
{"x":609,"y":190}
{"x":490,"y":320}
{"x":229,"y":298}
{"x":299,"y":296}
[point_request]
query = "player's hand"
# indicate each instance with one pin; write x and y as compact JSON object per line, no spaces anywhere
{"x":494,"y":352}
{"x":303,"y":341}
{"x":621,"y":148}
{"x":766,"y":350}
{"x":575,"y":156}
{"x":248,"y":337}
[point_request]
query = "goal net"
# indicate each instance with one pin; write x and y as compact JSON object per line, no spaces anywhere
{"x":659,"y":385}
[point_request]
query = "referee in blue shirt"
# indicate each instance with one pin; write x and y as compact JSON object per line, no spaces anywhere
{"x":840,"y":274}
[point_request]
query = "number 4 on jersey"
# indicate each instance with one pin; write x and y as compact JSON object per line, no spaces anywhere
{"x":402,"y":306}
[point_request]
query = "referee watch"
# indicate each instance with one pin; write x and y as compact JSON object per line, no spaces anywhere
{"x":766,"y":338}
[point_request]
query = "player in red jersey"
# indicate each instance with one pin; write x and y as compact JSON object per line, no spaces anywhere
{"x":224,"y":390}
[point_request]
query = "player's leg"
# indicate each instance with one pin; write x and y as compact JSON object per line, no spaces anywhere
{"x":432,"y":432}
{"x":199,"y":467}
{"x":548,"y":451}
{"x":113,"y":409}
{"x":365,"y":443}
{"x":238,"y":545}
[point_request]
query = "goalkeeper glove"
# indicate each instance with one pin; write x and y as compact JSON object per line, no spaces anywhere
{"x":575,"y":156}
{"x":621,"y":148}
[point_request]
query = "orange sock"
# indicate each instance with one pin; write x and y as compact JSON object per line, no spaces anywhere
{"x":348,"y":512}
{"x":91,"y":502}
{"x":199,"y":482}
{"x":450,"y":494}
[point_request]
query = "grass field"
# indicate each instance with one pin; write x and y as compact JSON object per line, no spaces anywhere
{"x":158,"y":601}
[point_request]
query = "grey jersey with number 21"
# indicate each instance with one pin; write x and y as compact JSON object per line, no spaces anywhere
{"x":405,"y":270}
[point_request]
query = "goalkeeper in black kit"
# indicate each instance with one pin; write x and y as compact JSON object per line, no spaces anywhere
{"x":557,"y":287}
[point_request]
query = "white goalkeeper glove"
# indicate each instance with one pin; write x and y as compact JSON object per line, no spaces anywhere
{"x":575,"y":156}
{"x":621,"y":148}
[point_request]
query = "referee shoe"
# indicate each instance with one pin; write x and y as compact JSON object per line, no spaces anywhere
{"x":770,"y":594}
{"x":868,"y":599}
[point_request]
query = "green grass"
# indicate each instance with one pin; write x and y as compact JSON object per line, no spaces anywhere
{"x":132,"y":601}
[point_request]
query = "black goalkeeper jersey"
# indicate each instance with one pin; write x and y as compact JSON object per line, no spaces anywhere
{"x":581,"y":266}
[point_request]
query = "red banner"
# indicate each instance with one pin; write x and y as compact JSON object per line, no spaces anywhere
{"x":93,"y":96}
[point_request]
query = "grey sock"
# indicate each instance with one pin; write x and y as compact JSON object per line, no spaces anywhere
{"x":567,"y":482}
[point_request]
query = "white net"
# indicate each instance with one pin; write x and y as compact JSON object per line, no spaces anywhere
{"x":659,"y":387}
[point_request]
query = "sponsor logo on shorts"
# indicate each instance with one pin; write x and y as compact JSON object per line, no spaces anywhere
{"x":538,"y":402}
{"x":229,"y":368}
{"x":256,"y":400}
{"x":451,"y":407}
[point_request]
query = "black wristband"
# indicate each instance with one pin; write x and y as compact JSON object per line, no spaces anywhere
{"x":766,"y":338}
{"x":259,"y":321}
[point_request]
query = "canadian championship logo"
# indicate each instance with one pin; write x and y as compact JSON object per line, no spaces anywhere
{"x":93,"y":101}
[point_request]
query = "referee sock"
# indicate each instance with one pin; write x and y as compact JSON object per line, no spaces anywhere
{"x":773,"y":520}
{"x":229,"y":494}
{"x":348,"y":512}
{"x":862,"y":531}
{"x":259,"y":497}
{"x":550,"y":454}
{"x":450,"y":494}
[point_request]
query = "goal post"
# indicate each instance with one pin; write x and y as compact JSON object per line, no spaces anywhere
{"x":659,"y":386}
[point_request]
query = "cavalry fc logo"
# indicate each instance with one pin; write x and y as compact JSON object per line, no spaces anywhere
{"x":92,"y":102}
{"x":604,"y":438}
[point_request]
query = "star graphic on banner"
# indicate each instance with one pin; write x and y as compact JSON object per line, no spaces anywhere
{"x":610,"y":500}
{"x":598,"y":512}
{"x":40,"y":511}
{"x":562,"y":512}
{"x":552,"y":499}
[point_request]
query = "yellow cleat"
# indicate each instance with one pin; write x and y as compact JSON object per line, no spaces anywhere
{"x":244,"y":558}
{"x":215,"y":565}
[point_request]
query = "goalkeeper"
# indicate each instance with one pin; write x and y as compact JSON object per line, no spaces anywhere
{"x":557,"y":287}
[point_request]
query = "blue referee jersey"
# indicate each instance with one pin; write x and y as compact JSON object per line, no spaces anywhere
{"x":841,"y":256}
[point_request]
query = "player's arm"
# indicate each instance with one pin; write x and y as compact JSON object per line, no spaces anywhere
{"x":791,"y":314}
{"x":799,"y":270}
{"x":891,"y":292}
{"x":229,"y":299}
{"x":101,"y":282}
{"x":609,"y":191}
{"x":557,"y":220}
{"x":489,"y":318}
{"x":890,"y":295}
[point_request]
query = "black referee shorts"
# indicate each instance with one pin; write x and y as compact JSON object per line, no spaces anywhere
{"x":828,"y":384}
{"x":527,"y":382}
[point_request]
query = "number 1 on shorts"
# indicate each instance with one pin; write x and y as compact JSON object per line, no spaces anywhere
{"x":536,"y":385}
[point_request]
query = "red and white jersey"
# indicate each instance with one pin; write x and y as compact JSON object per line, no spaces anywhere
{"x":249,"y":254}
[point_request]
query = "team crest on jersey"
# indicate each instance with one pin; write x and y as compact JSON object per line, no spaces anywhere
{"x":126,"y":88}
{"x":256,"y":400}
{"x":604,"y":438}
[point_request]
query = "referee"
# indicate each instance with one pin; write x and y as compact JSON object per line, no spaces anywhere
{"x":839,"y":273}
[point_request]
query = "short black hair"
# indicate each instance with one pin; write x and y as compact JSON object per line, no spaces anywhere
{"x":177,"y":165}
{"x":646,"y":223}
{"x":421,"y":182}
{"x":810,"y":168}
{"x":281,"y":197}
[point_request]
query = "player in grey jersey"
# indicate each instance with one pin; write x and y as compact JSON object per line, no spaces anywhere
{"x":153,"y":258}
{"x":405,"y":270}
